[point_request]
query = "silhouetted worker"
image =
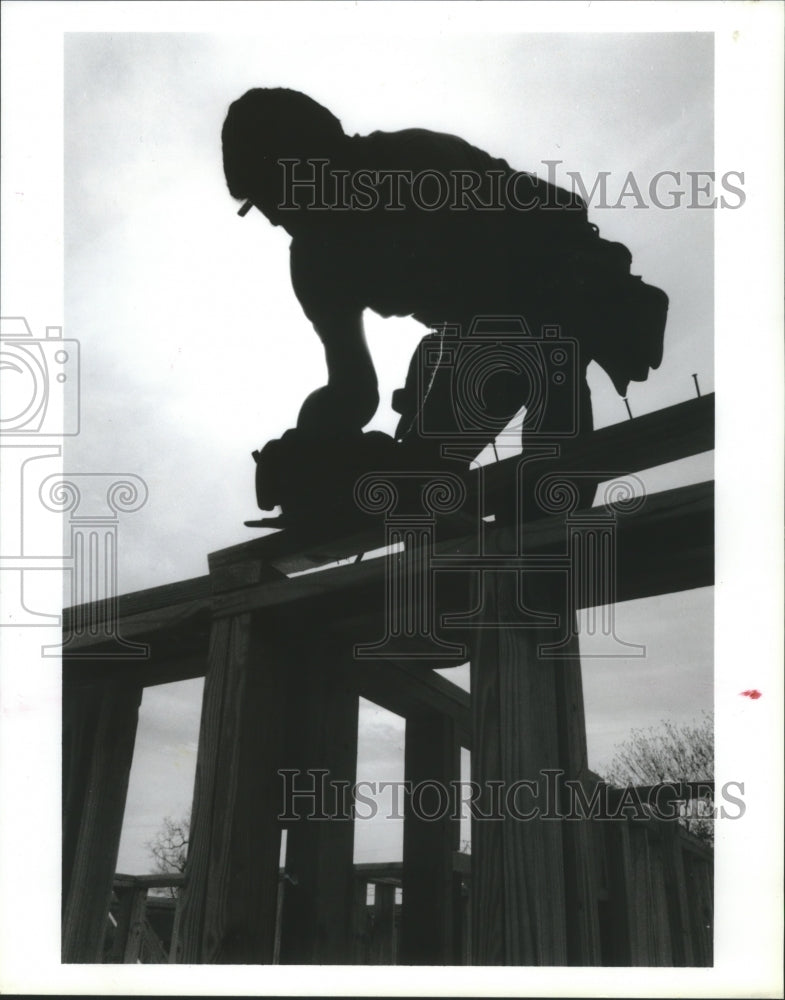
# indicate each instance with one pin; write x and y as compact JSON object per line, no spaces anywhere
{"x":422,"y":224}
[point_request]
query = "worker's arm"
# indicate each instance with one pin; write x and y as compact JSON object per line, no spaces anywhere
{"x":351,"y":397}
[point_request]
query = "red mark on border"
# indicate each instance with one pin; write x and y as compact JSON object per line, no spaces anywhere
{"x":752,"y":693}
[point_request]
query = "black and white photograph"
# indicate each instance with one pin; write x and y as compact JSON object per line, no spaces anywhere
{"x":392,"y":445}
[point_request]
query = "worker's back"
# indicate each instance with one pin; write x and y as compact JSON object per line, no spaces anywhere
{"x":426,"y":224}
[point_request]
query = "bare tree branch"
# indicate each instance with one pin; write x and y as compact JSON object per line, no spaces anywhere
{"x":671,"y":753}
{"x":169,"y":848}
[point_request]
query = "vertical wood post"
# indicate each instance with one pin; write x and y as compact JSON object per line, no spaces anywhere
{"x":700,"y":896}
{"x":382,"y":944}
{"x":130,"y":924}
{"x":621,"y":925}
{"x":432,"y":763}
{"x":320,"y":749}
{"x":582,"y":866}
{"x":360,"y":922}
{"x":81,"y":710}
{"x":532,"y":879}
{"x":676,"y":892}
{"x":97,"y":788}
{"x":228,"y":910}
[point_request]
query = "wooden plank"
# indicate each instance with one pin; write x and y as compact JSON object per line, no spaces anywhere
{"x":404,"y":688}
{"x":640,"y":896}
{"x":676,"y":893}
{"x":127,"y":902}
{"x":518,"y":891}
{"x":465,"y":912}
{"x":148,"y":881}
{"x":666,"y":435}
{"x":654,"y":439}
{"x":154,"y":621}
{"x":102,"y":808}
{"x":431,"y":834}
{"x":228,"y":910}
{"x":648,"y":900}
{"x":170,"y":660}
{"x":321,"y":726}
{"x":534,"y":884}
{"x":664,"y":950}
{"x":307,"y":546}
{"x":140,"y":601}
{"x":651,"y":908}
{"x":375,"y":871}
{"x":582,"y":868}
{"x":135,"y":928}
{"x":151,"y":950}
{"x":81,"y":713}
{"x":664,"y":548}
{"x":677,"y":516}
{"x":699,"y":874}
{"x":381,"y":947}
{"x":618,"y":919}
{"x":360,"y":921}
{"x":280,"y":895}
{"x":462,"y":919}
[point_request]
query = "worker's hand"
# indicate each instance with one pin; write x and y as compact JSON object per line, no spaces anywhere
{"x":335,"y":410}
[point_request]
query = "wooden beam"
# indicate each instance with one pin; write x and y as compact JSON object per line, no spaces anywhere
{"x":104,"y":772}
{"x":140,"y":602}
{"x":699,"y":885}
{"x":360,"y":921}
{"x":304,"y":547}
{"x":666,"y":435}
{"x":581,"y":869}
{"x":674,"y":514}
{"x":321,"y":736}
{"x":676,"y":893}
{"x":407,"y":690}
{"x":180,"y":619}
{"x":665,"y":547}
{"x":381,"y":947}
{"x":129,"y":932}
{"x":654,"y":439}
{"x":532,"y":879}
{"x":431,"y":834}
{"x":169,"y":662}
{"x":228,"y":910}
{"x":81,"y":714}
{"x":148,"y":881}
{"x":620,"y":932}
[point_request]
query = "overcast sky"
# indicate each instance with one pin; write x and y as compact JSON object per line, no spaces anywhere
{"x":194,"y":349}
{"x":194,"y":352}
